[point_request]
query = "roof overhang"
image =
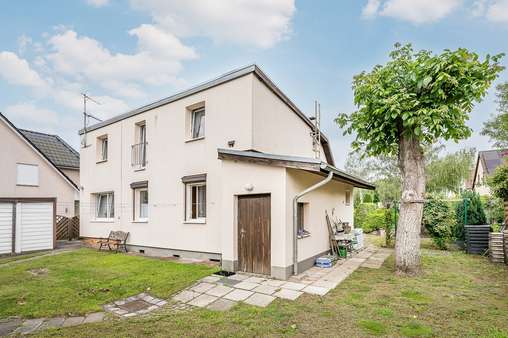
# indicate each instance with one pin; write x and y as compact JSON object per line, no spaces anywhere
{"x":295,"y":162}
{"x":233,"y":75}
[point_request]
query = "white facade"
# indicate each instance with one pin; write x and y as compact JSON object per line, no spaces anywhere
{"x":243,"y":112}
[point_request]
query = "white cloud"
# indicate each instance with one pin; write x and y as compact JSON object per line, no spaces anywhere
{"x":27,"y":115}
{"x":498,"y":11}
{"x":17,"y":71}
{"x":260,"y":23}
{"x":371,"y":8}
{"x":97,"y":3}
{"x":415,"y":11}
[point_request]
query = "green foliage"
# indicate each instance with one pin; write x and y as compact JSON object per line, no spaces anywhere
{"x":367,"y":198}
{"x":497,"y":127}
{"x":439,"y":220}
{"x":360,"y":213}
{"x":498,"y":181}
{"x":494,"y":209}
{"x":376,"y":219}
{"x":475,"y":213}
{"x":417,"y":94}
{"x":447,"y":174}
{"x":389,"y":227}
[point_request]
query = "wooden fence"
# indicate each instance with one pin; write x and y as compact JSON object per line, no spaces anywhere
{"x":67,"y":228}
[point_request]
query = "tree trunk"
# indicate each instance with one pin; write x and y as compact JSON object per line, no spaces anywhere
{"x":407,"y":245}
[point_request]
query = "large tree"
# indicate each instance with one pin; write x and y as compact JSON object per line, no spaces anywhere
{"x":497,"y":127}
{"x":411,"y":102}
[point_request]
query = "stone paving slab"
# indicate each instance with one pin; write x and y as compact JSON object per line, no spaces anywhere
{"x":246,"y":285}
{"x":29,"y":326}
{"x":238,"y":295}
{"x":221,"y":304}
{"x":293,"y":286}
{"x":203,"y":300}
{"x":8,"y":325}
{"x":288,"y":294}
{"x":219,"y":291}
{"x":52,"y":323}
{"x":73,"y":321}
{"x":266,"y":289}
{"x":185,"y":296}
{"x":316,"y":290}
{"x":258,"y":299}
{"x":94,"y":317}
{"x":202,"y":287}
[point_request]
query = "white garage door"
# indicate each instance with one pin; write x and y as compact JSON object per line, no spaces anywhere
{"x":34,"y":226}
{"x":6,"y":227}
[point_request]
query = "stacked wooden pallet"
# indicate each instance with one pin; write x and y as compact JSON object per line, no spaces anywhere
{"x":496,"y":247}
{"x":506,"y":246}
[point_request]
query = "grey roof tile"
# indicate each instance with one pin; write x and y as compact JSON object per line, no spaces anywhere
{"x":53,"y":147}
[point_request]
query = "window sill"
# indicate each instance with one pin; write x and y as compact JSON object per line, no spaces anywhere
{"x":195,"y":221}
{"x":194,"y":139}
{"x":139,"y":169}
{"x":27,"y":185}
{"x":140,"y":221}
{"x":101,"y":161}
{"x":104,"y":220}
{"x":307,"y":234}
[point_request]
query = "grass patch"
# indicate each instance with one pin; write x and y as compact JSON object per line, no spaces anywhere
{"x":414,"y":329}
{"x":82,"y":281}
{"x":373,"y":327}
{"x":456,"y":295}
{"x":9,"y":259}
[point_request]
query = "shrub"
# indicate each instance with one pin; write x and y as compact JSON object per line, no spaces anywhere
{"x":360,"y":213}
{"x":389,"y":227}
{"x":439,"y":220}
{"x":498,"y":181}
{"x":367,"y":198}
{"x":494,"y":209}
{"x":475,"y":213}
{"x":375,"y":220}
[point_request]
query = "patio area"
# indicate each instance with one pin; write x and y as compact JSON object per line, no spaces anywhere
{"x":222,"y":293}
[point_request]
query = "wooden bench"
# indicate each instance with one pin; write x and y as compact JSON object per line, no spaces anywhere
{"x":117,"y":239}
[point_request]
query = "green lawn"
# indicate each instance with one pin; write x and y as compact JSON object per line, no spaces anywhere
{"x":457,"y":295}
{"x":82,"y":281}
{"x":9,"y":259}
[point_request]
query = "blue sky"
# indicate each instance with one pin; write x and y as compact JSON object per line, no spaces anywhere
{"x":129,"y":53}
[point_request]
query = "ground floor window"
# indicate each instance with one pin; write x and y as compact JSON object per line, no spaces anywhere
{"x":141,"y":204}
{"x":104,"y":205}
{"x":195,"y":209}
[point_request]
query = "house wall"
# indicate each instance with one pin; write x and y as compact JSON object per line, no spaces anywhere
{"x":481,"y":186}
{"x":169,"y":157}
{"x":51,"y":183}
{"x":277,"y":129}
{"x":328,"y":197}
{"x":73,"y":174}
{"x":238,"y":177}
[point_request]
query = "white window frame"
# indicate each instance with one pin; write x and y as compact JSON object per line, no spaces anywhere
{"x":188,"y":202}
{"x":137,"y":205}
{"x":103,"y":148}
{"x":110,"y":206}
{"x":27,"y":174}
{"x":194,"y":112}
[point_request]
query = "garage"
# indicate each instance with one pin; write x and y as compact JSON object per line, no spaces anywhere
{"x":27,"y":225}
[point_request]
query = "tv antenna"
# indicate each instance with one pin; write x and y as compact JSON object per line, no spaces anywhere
{"x":87,"y":116}
{"x":316,"y":133}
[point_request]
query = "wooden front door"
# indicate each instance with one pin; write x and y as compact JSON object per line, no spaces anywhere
{"x":254,"y":230}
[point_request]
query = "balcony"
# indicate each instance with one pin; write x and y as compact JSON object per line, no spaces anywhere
{"x":138,"y":155}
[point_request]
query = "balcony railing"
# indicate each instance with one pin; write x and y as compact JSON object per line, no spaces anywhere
{"x":138,"y":155}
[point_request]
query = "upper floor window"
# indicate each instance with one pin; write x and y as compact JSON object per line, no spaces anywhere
{"x":198,"y":123}
{"x":102,"y":148}
{"x":104,"y":205}
{"x":139,"y":148}
{"x":27,"y":174}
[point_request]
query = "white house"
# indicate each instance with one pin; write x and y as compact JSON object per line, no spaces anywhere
{"x":486,"y":164}
{"x":39,"y":177}
{"x":213,"y":172}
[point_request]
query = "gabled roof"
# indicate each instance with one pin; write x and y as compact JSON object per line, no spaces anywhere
{"x":56,"y":149}
{"x":37,"y":150}
{"x":296,"y":162}
{"x":233,"y":75}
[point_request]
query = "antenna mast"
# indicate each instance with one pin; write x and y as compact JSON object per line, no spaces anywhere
{"x":86,"y":117}
{"x":316,"y":133}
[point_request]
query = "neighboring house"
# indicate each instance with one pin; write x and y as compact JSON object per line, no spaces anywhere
{"x":211,"y":173}
{"x":486,"y":163}
{"x":39,"y":176}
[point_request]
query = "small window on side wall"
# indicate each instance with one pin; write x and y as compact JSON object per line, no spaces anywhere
{"x":348,"y":197}
{"x":301,"y":212}
{"x":27,"y":174}
{"x":198,"y":123}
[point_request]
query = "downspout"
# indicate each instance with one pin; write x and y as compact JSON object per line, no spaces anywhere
{"x":295,"y":215}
